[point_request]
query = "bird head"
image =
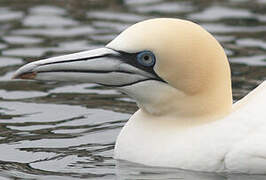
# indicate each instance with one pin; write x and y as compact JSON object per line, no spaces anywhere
{"x":169,"y":66}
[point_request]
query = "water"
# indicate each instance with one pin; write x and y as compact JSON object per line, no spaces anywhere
{"x":66,"y":130}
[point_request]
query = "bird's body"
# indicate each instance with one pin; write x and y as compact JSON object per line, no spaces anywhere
{"x":180,"y":77}
{"x":235,"y":143}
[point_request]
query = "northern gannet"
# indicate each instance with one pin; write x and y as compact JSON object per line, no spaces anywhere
{"x":180,"y":77}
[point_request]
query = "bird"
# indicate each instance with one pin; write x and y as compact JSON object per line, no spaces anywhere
{"x":180,"y":77}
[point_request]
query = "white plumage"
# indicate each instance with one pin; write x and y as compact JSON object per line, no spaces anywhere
{"x":186,"y":117}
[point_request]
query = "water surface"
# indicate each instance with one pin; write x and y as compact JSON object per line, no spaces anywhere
{"x":67,"y":130}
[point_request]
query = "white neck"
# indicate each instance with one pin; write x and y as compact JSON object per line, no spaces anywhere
{"x":167,"y":103}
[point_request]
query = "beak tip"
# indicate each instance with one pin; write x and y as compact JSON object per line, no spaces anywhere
{"x":26,"y":72}
{"x":29,"y":75}
{"x":14,"y":77}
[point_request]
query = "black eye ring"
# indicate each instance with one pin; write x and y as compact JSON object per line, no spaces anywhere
{"x":146,"y":58}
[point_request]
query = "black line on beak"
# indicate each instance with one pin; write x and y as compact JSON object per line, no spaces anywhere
{"x":86,"y":71}
{"x":128,"y":84}
{"x":75,"y":60}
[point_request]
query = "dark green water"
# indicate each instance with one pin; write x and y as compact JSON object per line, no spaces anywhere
{"x":67,"y":130}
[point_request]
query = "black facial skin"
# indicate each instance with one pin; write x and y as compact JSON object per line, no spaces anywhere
{"x":131,"y":58}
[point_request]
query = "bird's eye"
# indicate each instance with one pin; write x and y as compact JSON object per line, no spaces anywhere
{"x":146,"y":58}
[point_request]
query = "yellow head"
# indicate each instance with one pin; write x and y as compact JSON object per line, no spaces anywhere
{"x":189,"y":77}
{"x":187,"y":57}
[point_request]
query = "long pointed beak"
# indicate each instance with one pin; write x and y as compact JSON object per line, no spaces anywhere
{"x":103,"y":66}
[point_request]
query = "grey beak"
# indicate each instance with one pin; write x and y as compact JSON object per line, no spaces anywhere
{"x":103,"y":66}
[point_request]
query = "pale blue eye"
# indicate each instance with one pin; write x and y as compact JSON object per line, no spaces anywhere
{"x":146,"y":58}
